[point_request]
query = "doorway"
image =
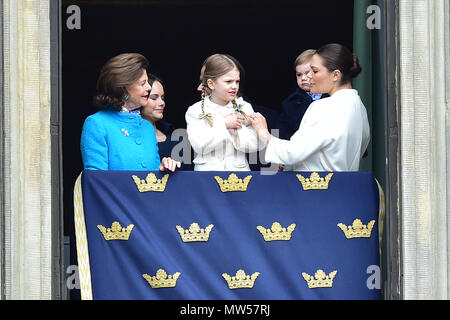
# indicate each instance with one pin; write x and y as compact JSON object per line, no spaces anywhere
{"x":176,"y":36}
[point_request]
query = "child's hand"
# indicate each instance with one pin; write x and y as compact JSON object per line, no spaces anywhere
{"x":233,"y":121}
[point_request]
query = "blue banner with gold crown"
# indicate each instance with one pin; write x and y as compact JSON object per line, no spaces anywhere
{"x":227,"y":236}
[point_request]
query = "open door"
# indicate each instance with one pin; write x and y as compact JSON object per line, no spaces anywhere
{"x":176,"y":37}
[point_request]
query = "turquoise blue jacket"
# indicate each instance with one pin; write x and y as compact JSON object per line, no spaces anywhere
{"x":112,"y":140}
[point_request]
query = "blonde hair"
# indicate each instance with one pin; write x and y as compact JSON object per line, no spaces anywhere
{"x":214,"y":67}
{"x":304,"y":57}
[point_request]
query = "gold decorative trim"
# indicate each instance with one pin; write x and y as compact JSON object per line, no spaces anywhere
{"x":162,"y":279}
{"x":233,"y":183}
{"x":240,"y":280}
{"x":276,"y":232}
{"x":381,"y":216}
{"x":320,"y":279}
{"x":195,"y":233}
{"x":315,"y":181}
{"x":84,"y":269}
{"x":151,"y":183}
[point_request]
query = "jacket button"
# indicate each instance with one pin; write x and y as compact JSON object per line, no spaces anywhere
{"x":144,"y":164}
{"x":138,"y":141}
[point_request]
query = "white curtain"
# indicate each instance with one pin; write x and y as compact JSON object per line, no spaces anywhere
{"x":424,"y":172}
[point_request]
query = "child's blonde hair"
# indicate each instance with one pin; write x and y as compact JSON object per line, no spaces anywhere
{"x":304,"y":57}
{"x":214,"y":67}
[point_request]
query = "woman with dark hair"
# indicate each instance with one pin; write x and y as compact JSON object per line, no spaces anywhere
{"x":116,"y":137}
{"x":153,"y":112}
{"x":334,"y":132}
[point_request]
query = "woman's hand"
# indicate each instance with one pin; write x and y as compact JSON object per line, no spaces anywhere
{"x":169,"y":164}
{"x":259,"y":124}
{"x":233,"y":121}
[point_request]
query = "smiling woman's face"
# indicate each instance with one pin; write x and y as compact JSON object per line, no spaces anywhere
{"x":154,"y":108}
{"x":138,"y":92}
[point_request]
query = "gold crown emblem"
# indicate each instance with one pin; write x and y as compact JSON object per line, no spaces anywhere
{"x":357,"y":229}
{"x":315,"y":181}
{"x":162,"y":279}
{"x":194,"y":233}
{"x":233,"y":183}
{"x":116,"y":232}
{"x":151,"y":183}
{"x":320,"y":280}
{"x":276,"y":232}
{"x":240,"y":280}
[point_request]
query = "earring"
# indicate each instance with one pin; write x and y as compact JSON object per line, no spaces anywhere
{"x":126,"y":97}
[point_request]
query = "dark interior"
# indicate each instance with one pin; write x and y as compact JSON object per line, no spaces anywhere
{"x":176,"y":37}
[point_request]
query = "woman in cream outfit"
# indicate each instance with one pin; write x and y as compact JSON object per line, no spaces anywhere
{"x":218,"y":126}
{"x":334,"y":132}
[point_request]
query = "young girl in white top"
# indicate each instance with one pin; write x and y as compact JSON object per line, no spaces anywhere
{"x":218,"y":126}
{"x":334,"y":132}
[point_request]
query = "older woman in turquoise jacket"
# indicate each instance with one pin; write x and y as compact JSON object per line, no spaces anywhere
{"x":118,"y":138}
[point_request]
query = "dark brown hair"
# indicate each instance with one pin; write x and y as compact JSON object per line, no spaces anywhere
{"x":152,"y":78}
{"x":337,"y":57}
{"x":117,"y":73}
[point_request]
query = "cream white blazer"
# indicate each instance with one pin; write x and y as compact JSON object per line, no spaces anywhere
{"x":333,"y":135}
{"x":217,"y":148}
